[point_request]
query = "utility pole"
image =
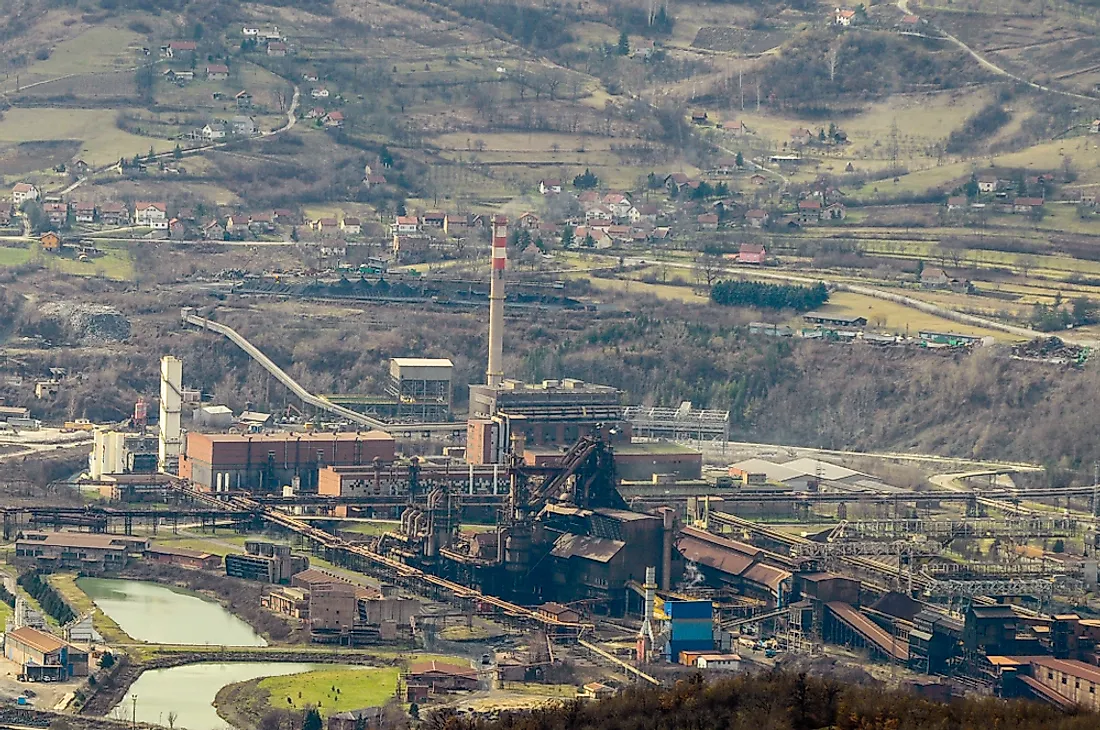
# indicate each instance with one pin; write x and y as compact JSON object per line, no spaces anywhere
{"x":741,"y":83}
{"x":133,"y":715}
{"x":894,"y":146}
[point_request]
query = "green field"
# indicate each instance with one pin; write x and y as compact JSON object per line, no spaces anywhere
{"x":15,"y":255}
{"x":332,"y":690}
{"x":101,"y":141}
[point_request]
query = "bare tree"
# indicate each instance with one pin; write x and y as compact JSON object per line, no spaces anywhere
{"x":171,"y":717}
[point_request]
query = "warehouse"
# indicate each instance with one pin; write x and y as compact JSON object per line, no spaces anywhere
{"x":77,"y":550}
{"x":43,"y":656}
{"x":184,"y":557}
{"x":267,"y":462}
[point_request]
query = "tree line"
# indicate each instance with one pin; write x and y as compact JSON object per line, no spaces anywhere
{"x":47,"y":596}
{"x":778,"y":701}
{"x":736,"y":293}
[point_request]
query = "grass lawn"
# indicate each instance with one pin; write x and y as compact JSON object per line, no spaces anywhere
{"x":115,"y":263}
{"x":374,"y":527}
{"x":78,"y":600}
{"x":101,"y":141}
{"x":332,"y":690}
{"x":5,"y":611}
{"x":15,"y":254}
{"x":897,"y":318}
{"x":98,"y":49}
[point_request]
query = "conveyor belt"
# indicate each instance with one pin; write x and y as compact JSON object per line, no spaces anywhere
{"x":869,"y":630}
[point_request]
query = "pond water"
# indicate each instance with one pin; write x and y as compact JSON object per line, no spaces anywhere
{"x":189,"y":691}
{"x":161,"y":614}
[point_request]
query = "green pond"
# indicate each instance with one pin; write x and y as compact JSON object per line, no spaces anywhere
{"x":189,"y":691}
{"x":160,"y":614}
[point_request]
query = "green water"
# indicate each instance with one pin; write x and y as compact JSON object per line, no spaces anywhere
{"x":161,"y":615}
{"x":189,"y":691}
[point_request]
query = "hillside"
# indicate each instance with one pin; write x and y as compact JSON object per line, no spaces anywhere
{"x":776,"y":702}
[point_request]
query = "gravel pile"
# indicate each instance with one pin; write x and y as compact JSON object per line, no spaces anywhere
{"x":94,"y":323}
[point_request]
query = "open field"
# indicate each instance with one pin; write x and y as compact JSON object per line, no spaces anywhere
{"x":98,"y":49}
{"x":332,"y":690}
{"x":101,"y":141}
{"x":895,"y":318}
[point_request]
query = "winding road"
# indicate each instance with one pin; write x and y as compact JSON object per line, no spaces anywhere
{"x":903,"y":5}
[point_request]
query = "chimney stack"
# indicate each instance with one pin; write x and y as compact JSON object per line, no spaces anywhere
{"x":495,"y":372}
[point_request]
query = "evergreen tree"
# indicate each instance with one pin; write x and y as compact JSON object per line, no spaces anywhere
{"x":567,"y":236}
{"x":624,"y":44}
{"x":740,"y":159}
{"x":586,"y":180}
{"x":312,"y":720}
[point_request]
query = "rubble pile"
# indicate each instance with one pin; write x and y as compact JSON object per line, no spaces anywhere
{"x":1050,"y":349}
{"x":95,"y":323}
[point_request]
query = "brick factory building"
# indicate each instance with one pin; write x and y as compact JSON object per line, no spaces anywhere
{"x":267,"y":462}
{"x":183,"y":557}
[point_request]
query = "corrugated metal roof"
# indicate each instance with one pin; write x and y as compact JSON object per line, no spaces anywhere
{"x":721,"y":559}
{"x":600,"y":549}
{"x":1071,"y":667}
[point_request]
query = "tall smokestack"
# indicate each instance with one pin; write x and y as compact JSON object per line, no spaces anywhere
{"x":495,"y":372}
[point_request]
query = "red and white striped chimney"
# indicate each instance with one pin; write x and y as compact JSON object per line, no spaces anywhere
{"x":495,"y":372}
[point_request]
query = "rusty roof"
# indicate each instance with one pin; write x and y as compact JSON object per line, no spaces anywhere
{"x":437,"y":667}
{"x":36,"y":639}
{"x":600,"y":549}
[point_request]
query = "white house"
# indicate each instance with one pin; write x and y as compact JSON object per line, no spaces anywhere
{"x":844,"y":16}
{"x":250,"y":32}
{"x":320,"y":93}
{"x":406,"y":224}
{"x":153,"y":215}
{"x":215,"y":130}
{"x":22,"y":192}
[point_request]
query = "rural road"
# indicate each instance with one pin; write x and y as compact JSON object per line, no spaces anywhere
{"x":903,"y":5}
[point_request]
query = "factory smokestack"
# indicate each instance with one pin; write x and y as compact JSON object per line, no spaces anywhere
{"x":495,"y":372}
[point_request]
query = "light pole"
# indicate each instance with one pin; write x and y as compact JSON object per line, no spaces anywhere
{"x":133,"y":715}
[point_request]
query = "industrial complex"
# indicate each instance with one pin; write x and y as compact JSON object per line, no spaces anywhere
{"x":592,"y":513}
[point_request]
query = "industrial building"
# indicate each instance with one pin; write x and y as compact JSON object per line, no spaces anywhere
{"x":183,"y":557}
{"x":43,"y":656}
{"x":265,"y":562}
{"x":339,"y":612}
{"x":421,"y":388}
{"x":77,"y":550}
{"x":122,"y":452}
{"x":554,"y":412}
{"x":397,"y":479}
{"x":268,"y":462}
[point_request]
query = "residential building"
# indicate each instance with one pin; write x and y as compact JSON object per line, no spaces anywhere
{"x":530,"y":221}
{"x":244,"y":126}
{"x":151,"y":214}
{"x":1095,"y":126}
{"x":319,"y":93}
{"x":406,"y":224}
{"x":214,"y":130}
{"x":757,"y":218}
{"x":834,"y":212}
{"x":932,"y":277}
{"x":758,"y":179}
{"x":957,"y":202}
{"x":351,"y":226}
{"x":737,"y":128}
{"x":22,"y":192}
{"x":642,"y":48}
{"x":550,"y":185}
{"x":56,"y":213}
{"x":334,"y":119}
{"x":988,"y":183}
{"x":84,"y":211}
{"x":809,"y":211}
{"x":243,"y":99}
{"x":276,"y":49}
{"x":699,"y":117}
{"x":1027,"y":205}
{"x":180,"y":47}
{"x":326,"y":226}
{"x":843,"y":16}
{"x":50,"y":241}
{"x":217,"y":72}
{"x":43,"y":656}
{"x":801,"y":136}
{"x":708,"y":221}
{"x":752,"y":253}
{"x":114,"y":214}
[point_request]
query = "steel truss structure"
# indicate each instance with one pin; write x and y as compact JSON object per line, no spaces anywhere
{"x":896,"y":548}
{"x":683,"y":423}
{"x":1031,"y":587}
{"x":1020,"y":527}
